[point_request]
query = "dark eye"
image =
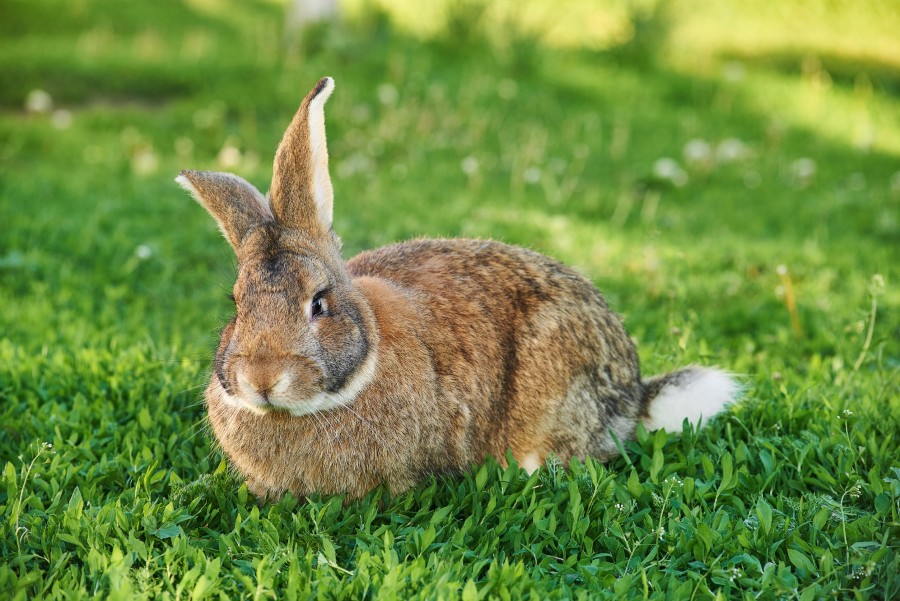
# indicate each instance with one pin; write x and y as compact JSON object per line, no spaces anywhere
{"x":319,"y":305}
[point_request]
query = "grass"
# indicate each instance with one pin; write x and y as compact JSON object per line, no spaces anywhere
{"x":773,"y":253}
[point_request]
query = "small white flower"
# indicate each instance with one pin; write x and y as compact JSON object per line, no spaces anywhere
{"x":532,"y":175}
{"x":144,"y":161}
{"x":660,"y":533}
{"x":803,"y":170}
{"x":668,"y":169}
{"x":38,"y":101}
{"x":230,"y":155}
{"x":143,"y":252}
{"x":846,"y":413}
{"x":781,"y":270}
{"x":697,"y":152}
{"x":469,"y":165}
{"x":388,"y":94}
{"x":731,"y":150}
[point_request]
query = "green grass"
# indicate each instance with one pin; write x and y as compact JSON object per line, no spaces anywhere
{"x":113,"y":283}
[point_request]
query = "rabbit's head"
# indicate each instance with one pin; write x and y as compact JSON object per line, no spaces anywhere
{"x":303,"y":338}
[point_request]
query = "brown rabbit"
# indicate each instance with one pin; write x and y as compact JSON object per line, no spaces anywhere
{"x":414,"y":359}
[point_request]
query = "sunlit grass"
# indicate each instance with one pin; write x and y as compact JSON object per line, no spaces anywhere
{"x":861,"y":30}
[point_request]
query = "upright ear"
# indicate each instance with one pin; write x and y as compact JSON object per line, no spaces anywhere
{"x":234,"y":202}
{"x":301,"y":193}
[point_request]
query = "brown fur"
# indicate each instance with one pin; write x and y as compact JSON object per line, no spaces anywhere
{"x":476,"y":347}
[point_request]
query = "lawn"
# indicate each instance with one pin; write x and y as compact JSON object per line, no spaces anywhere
{"x":729,"y":176}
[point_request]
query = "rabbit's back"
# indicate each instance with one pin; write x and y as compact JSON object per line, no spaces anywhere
{"x":527,"y":344}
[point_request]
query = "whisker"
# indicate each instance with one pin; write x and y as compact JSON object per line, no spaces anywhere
{"x":320,"y":428}
{"x":372,"y":428}
{"x":197,"y":431}
{"x":335,"y":434}
{"x":193,"y":388}
{"x":193,"y":405}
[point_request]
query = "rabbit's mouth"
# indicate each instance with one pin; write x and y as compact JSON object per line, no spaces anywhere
{"x":264,"y":400}
{"x":254,"y":403}
{"x":287,"y":395}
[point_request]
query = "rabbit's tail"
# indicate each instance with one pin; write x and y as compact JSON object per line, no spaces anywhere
{"x":691,"y":393}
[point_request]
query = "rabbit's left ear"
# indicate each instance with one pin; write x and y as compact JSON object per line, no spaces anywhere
{"x":301,"y":193}
{"x":235,"y":203}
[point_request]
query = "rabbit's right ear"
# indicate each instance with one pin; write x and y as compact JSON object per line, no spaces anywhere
{"x":235,"y":203}
{"x":301,"y":191}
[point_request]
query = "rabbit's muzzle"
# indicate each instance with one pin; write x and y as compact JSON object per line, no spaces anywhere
{"x":262,"y":380}
{"x":276,"y":381}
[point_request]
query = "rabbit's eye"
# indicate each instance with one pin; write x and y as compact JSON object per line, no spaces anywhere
{"x":319,"y":306}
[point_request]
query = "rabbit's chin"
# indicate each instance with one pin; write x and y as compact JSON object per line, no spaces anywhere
{"x":243,"y":403}
{"x":322,"y":401}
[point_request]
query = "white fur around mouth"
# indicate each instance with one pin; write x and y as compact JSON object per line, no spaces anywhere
{"x":244,"y":403}
{"x":323,"y":401}
{"x":341,"y":398}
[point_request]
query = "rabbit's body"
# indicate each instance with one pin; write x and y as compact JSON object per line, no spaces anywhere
{"x":482,"y":347}
{"x":414,"y":359}
{"x":525,"y":346}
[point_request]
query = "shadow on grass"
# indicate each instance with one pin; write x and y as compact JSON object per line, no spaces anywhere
{"x":845,"y":70}
{"x":140,"y":53}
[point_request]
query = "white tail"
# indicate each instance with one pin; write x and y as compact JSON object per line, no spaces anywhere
{"x":691,"y":393}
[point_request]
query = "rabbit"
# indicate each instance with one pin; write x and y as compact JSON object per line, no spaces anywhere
{"x":417,"y":359}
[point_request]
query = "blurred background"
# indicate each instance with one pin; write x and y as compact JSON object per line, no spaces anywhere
{"x":726,"y":172}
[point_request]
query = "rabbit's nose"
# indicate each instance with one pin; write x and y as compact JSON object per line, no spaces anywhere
{"x":261,"y":379}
